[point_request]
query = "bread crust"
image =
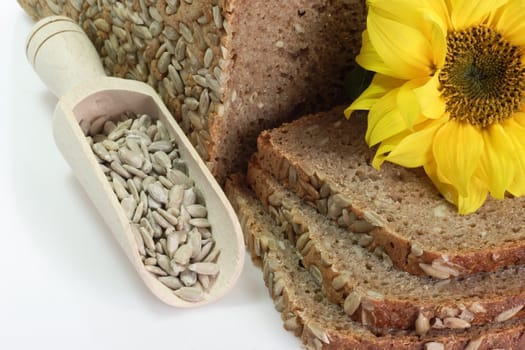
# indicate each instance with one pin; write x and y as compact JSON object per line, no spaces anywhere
{"x":330,"y":322}
{"x":407,"y":253}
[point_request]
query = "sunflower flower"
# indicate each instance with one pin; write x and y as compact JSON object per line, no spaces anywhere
{"x":447,"y":93}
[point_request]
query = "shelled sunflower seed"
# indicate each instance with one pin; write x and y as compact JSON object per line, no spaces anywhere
{"x":167,"y":214}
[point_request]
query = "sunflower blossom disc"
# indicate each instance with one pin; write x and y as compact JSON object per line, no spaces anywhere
{"x":448,"y":93}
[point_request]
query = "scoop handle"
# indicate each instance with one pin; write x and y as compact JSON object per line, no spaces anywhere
{"x":62,"y":55}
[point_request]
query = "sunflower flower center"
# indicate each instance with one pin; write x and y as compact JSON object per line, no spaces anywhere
{"x":482,"y":80}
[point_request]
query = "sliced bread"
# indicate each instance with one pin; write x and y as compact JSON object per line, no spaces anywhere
{"x":226,"y":69}
{"x":370,"y":289}
{"x":321,"y":324}
{"x":324,"y":159}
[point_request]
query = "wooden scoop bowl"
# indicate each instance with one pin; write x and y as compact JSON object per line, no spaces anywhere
{"x":69,"y":65}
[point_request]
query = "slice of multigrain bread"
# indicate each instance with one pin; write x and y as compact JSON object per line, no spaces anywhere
{"x":321,"y":324}
{"x":226,"y":69}
{"x":370,"y":289}
{"x":324,"y":159}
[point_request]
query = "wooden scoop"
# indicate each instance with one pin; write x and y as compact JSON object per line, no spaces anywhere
{"x":69,"y":65}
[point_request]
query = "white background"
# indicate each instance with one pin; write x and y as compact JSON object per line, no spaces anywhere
{"x":64,"y":282}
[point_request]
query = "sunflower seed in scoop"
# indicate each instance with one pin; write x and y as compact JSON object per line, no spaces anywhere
{"x":171,"y":282}
{"x":138,"y":239}
{"x":129,"y":204}
{"x":199,"y":222}
{"x":148,"y":180}
{"x":165,"y":182}
{"x":148,"y":239}
{"x":164,"y":262}
{"x":190,"y":197}
{"x":183,"y":254}
{"x":134,"y":171}
{"x":150,"y":261}
{"x":111,"y":145}
{"x":120,"y":130}
{"x":191,"y":294}
{"x":172,"y":244}
{"x":176,"y":268}
{"x":205,"y":281}
{"x":195,"y":241}
{"x":133,"y":189}
{"x":161,"y":145}
{"x":102,"y":152}
{"x":177,"y":177}
{"x":197,"y":210}
{"x":156,"y":270}
{"x":162,"y":159}
{"x":171,"y":219}
{"x":205,"y":250}
{"x":119,"y":169}
{"x":158,"y":192}
{"x":119,"y":189}
{"x":204,"y":268}
{"x":188,"y":278}
{"x":175,"y":196}
{"x":159,"y":219}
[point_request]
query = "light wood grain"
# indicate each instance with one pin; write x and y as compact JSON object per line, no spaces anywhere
{"x":66,"y":61}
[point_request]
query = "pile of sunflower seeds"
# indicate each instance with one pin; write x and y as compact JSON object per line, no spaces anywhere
{"x":167,"y":213}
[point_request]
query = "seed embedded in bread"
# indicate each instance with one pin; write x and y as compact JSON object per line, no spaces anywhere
{"x":422,"y":324}
{"x":508,"y":314}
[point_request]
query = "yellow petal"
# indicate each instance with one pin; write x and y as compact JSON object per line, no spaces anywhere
{"x":386,"y":146}
{"x":403,"y":11}
{"x":497,"y":163}
{"x":438,"y":39}
{"x":408,"y":103}
{"x":510,"y":22}
{"x":467,"y":13}
{"x":369,"y":59}
{"x":477,"y":194}
{"x":519,"y":118}
{"x":404,"y":49}
{"x":447,"y":190}
{"x":420,"y":16}
{"x":516,"y":136}
{"x":465,"y":204}
{"x":379,"y":86}
{"x":441,"y":10}
{"x":415,"y":150}
{"x":384,"y":119}
{"x":430,"y":100}
{"x":457,"y":150}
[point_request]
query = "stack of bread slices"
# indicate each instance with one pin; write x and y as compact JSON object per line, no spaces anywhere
{"x":359,"y":258}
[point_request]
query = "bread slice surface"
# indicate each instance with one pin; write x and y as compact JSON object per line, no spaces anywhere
{"x":324,"y":159}
{"x":321,"y":324}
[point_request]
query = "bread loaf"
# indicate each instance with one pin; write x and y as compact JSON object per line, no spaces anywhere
{"x":226,"y":69}
{"x":324,"y":159}
{"x":323,"y":325}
